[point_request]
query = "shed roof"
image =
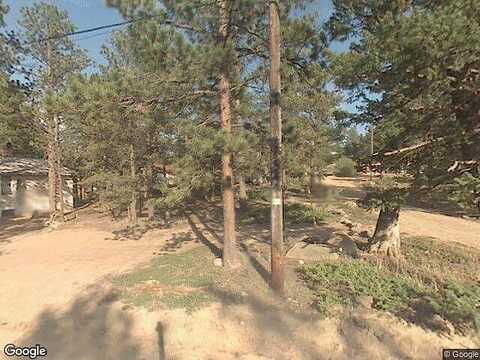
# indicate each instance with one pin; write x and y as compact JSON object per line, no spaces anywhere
{"x":26,"y":166}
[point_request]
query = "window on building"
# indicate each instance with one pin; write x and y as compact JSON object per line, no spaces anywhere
{"x":6,"y":185}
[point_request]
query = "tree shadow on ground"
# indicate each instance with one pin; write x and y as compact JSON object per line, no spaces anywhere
{"x":177,"y":241}
{"x":13,"y":226}
{"x":212,"y":227}
{"x":90,"y":328}
{"x":135,"y":232}
{"x":280,"y":332}
{"x":160,"y":329}
{"x":212,"y":245}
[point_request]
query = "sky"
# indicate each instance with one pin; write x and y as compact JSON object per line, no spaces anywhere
{"x":92,"y":13}
{"x":84,"y":14}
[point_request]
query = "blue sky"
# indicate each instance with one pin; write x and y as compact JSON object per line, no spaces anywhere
{"x":92,"y":13}
{"x":83,"y":13}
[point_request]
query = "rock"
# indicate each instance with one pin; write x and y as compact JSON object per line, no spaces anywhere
{"x":334,"y":211}
{"x":441,"y":324}
{"x":364,"y":234}
{"x":301,"y":262}
{"x":351,"y":204}
{"x":365,"y":301}
{"x":244,"y":294}
{"x":450,"y":327}
{"x":345,"y":244}
{"x":313,"y":252}
{"x":347,"y":222}
{"x":218,"y":262}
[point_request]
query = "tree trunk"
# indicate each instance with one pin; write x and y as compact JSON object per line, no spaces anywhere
{"x":230,"y":251}
{"x":212,"y":195}
{"x":166,"y":218}
{"x":52,"y":173}
{"x":386,"y":239}
{"x":59,"y":180}
{"x":314,"y":182}
{"x":133,"y":172}
{"x":149,"y":193}
{"x":277,"y":268}
{"x":242,"y":189}
{"x":51,"y":145}
{"x":151,"y":210}
{"x":76,"y":193}
{"x":61,"y":215}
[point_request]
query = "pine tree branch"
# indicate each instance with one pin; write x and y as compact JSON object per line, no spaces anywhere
{"x":408,"y":148}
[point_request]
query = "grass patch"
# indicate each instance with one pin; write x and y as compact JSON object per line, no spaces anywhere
{"x":295,"y":214}
{"x":172,"y":280}
{"x":345,"y":281}
{"x":357,"y":213}
{"x":260,"y":194}
{"x":255,"y":213}
{"x":440,"y":261}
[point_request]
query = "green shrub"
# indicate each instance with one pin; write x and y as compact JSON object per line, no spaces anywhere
{"x":260,"y":194}
{"x":458,"y":303}
{"x":345,"y":167}
{"x":342,"y":282}
{"x":255,"y":214}
{"x":295,"y":214}
{"x":345,"y":281}
{"x":304,"y":214}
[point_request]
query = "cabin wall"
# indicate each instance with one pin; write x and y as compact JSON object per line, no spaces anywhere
{"x":27,"y":195}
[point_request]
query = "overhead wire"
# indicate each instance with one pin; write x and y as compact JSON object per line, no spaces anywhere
{"x":102,"y":27}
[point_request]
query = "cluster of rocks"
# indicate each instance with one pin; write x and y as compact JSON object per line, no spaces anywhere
{"x":330,"y":245}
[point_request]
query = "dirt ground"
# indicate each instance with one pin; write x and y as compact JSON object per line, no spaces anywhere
{"x":55,"y":292}
{"x":419,"y":222}
{"x":42,"y":269}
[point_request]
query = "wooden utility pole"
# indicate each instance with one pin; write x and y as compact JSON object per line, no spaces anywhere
{"x":230,"y":251}
{"x":278,"y":277}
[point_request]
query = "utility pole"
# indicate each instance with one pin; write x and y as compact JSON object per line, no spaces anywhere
{"x":278,"y":276}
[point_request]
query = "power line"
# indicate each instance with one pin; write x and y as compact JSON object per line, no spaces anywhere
{"x":94,"y":35}
{"x":109,"y":26}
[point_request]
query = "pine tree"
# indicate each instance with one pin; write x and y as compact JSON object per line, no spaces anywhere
{"x":54,"y":58}
{"x":16,"y":126}
{"x":421,"y":60}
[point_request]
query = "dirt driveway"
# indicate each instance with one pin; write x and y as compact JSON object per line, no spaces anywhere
{"x":53,"y":293}
{"x":44,"y":270}
{"x":418,"y":222}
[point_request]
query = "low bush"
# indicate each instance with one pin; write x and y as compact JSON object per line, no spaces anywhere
{"x":342,"y":282}
{"x":260,"y":194}
{"x":255,"y":214}
{"x":303,"y":214}
{"x":345,"y":167}
{"x":295,"y":214}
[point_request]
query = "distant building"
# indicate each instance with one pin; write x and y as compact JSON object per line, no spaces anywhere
{"x":24,"y":185}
